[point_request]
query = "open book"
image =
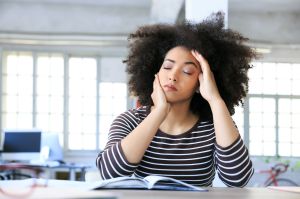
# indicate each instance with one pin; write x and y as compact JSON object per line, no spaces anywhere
{"x":150,"y":182}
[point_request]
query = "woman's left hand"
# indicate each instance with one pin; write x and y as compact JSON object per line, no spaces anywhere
{"x":208,"y":87}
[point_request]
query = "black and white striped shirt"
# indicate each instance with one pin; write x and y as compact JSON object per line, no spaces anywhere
{"x":192,"y":157}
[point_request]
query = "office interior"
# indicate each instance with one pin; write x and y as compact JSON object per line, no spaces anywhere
{"x":61,"y":72}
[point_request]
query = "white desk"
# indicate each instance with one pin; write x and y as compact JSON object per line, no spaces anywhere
{"x":76,"y":189}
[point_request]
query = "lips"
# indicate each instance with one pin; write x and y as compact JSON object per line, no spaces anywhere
{"x":170,"y":87}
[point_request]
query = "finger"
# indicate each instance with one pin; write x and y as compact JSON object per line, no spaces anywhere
{"x":158,"y":80}
{"x":200,"y":77}
{"x":203,"y":62}
{"x":155,"y":82}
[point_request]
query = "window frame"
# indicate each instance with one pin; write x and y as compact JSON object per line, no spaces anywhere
{"x":67,"y":52}
{"x":276,"y":97}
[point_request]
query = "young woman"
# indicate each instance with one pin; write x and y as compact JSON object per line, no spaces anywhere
{"x":188,"y":78}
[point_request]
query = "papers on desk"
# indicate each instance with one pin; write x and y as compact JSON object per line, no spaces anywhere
{"x":154,"y":182}
{"x":289,"y":189}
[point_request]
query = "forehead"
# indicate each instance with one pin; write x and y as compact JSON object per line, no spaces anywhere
{"x":180,"y":52}
{"x":178,"y":49}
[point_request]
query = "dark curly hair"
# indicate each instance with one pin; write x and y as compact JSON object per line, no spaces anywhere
{"x":223,"y":49}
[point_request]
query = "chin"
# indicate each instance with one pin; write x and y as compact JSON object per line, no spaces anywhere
{"x":176,"y":99}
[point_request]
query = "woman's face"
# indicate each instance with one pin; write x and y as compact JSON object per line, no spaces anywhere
{"x":178,"y":75}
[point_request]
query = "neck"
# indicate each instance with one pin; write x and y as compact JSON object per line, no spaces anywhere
{"x":179,"y":119}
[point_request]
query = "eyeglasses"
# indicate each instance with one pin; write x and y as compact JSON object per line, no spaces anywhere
{"x":21,"y":189}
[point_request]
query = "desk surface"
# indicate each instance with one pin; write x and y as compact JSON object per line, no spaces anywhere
{"x":214,"y":193}
{"x":67,"y":189}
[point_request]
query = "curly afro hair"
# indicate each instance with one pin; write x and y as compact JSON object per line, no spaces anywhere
{"x":224,"y":50}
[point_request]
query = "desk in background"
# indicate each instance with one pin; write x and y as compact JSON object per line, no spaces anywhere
{"x":76,"y":189}
{"x":16,"y":168}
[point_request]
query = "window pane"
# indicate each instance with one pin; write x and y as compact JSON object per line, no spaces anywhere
{"x":284,"y":71}
{"x":82,"y":103}
{"x":296,"y":87}
{"x":104,"y":123}
{"x":56,"y":123}
{"x":119,"y":90}
{"x":105,"y":105}
{"x":256,"y":104}
{"x":113,"y":101}
{"x":284,"y":106}
{"x":296,"y":149}
{"x":284,"y":149}
{"x":269,"y":148}
{"x":296,"y":105}
{"x":256,"y":71}
{"x":269,"y":70}
{"x":11,"y":104}
{"x":269,"y":86}
{"x":105,"y":89}
{"x":17,"y":87}
{"x":89,"y":124}
{"x":284,"y":134}
{"x":256,"y":134}
{"x":269,"y":134}
{"x":268,"y":105}
{"x":296,"y":71}
{"x":284,"y":120}
{"x":75,"y":141}
{"x":256,"y":148}
{"x":50,"y":90}
{"x":75,"y":124}
{"x":42,"y":104}
{"x":238,"y":118}
{"x":256,"y":119}
{"x":284,"y":86}
{"x":295,"y":120}
{"x":296,"y":135}
{"x":11,"y":85}
{"x":255,"y":86}
{"x":269,"y":119}
{"x":24,"y":120}
{"x":42,"y":120}
{"x":57,"y":86}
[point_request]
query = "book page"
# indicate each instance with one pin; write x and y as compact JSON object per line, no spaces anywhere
{"x":125,"y":182}
{"x":153,"y":182}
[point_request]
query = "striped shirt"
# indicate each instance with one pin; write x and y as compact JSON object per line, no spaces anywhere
{"x":192,"y":157}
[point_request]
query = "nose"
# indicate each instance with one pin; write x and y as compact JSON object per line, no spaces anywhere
{"x":173,"y":76}
{"x":173,"y":79}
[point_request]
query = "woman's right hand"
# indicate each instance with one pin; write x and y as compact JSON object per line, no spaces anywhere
{"x":159,"y":98}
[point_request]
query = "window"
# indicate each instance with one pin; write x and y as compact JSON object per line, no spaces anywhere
{"x":17,"y":91}
{"x":49,"y":95}
{"x":75,"y":97}
{"x":238,"y":118}
{"x":273,"y":110}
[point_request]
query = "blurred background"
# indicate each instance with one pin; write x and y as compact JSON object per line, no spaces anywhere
{"x":61,"y":70}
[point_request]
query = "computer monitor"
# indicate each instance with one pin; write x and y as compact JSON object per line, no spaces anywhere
{"x":21,"y":145}
{"x":51,"y":141}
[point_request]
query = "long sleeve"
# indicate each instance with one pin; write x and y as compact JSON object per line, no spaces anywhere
{"x":233,"y":164}
{"x":112,"y":161}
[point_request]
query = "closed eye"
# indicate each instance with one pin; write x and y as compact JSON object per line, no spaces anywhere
{"x":188,"y":70}
{"x":188,"y":73}
{"x":167,"y":67}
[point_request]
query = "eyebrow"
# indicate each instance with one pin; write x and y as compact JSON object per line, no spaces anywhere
{"x":188,"y":62}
